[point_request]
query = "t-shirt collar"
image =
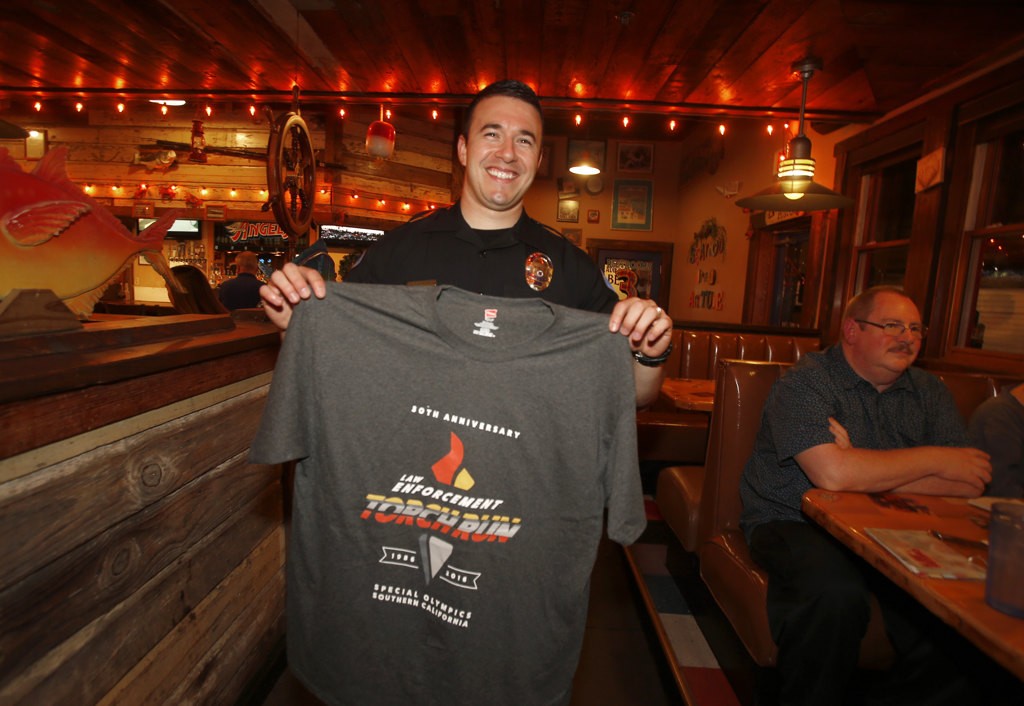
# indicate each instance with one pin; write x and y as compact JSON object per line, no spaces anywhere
{"x":462,"y":230}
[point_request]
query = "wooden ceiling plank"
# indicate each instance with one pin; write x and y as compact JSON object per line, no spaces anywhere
{"x":524,"y":55}
{"x":175,"y":53}
{"x":351,"y":53}
{"x":709,"y":47}
{"x":307,"y":42}
{"x":416,"y":63}
{"x":760,"y":60}
{"x":685,"y":23}
{"x":632,"y":43}
{"x":588,"y":62}
{"x":368,"y":40}
{"x":700,"y":55}
{"x":480,"y":44}
{"x":242,"y":41}
{"x":568,"y":47}
{"x":70,"y":48}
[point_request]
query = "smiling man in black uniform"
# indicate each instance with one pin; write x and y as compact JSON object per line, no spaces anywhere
{"x":486,"y":243}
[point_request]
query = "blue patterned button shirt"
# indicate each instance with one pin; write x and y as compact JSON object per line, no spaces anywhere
{"x":916,"y":410}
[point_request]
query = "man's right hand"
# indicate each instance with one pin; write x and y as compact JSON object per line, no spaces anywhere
{"x":966,"y":465}
{"x":286,"y":288}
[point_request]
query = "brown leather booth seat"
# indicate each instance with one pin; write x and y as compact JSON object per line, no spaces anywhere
{"x":737,"y":584}
{"x":683,"y":442}
{"x":971,"y":389}
{"x":667,"y":435}
{"x":695,"y":353}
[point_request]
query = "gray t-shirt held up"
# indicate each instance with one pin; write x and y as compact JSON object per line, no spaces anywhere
{"x":457,"y":454}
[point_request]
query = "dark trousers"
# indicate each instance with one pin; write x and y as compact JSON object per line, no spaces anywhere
{"x":818,"y":611}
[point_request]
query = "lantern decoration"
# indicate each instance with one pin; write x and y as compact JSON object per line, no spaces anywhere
{"x":380,"y":138}
{"x":198,"y":153}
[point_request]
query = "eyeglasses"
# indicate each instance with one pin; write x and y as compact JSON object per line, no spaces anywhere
{"x":894,"y":329}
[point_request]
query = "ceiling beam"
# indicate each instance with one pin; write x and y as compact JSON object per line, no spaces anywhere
{"x":684,"y":110}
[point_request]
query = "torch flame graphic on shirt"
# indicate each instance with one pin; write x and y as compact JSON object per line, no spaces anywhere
{"x":445,"y":467}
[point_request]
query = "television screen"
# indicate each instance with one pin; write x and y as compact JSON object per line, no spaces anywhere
{"x":348,"y":235}
{"x":181,"y":229}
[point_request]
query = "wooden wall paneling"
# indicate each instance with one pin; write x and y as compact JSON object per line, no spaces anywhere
{"x":64,"y":595}
{"x":92,"y":661}
{"x":757,"y":305}
{"x":103,"y":153}
{"x":47,"y":419}
{"x":241,"y":652}
{"x":822,"y":231}
{"x":82,"y":368}
{"x":253,"y":650}
{"x":100,"y":488}
{"x":419,"y":172}
{"x":930,"y":269}
{"x":392,"y":189}
{"x":123,"y":521}
{"x":217,"y":636}
{"x":414,"y":155}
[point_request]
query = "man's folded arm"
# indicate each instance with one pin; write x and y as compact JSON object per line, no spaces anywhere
{"x":938,"y":470}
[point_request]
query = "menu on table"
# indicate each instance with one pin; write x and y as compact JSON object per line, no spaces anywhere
{"x":926,"y":555}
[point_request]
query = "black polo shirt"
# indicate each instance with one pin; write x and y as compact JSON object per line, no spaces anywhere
{"x":441,"y":248}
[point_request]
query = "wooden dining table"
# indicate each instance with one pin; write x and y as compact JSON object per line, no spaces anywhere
{"x":851,"y":518}
{"x":688,"y":394}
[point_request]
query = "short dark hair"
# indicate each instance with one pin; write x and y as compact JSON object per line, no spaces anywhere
{"x":860,"y":306}
{"x":506,"y":87}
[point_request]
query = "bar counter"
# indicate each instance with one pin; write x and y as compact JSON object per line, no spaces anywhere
{"x":143,"y":556}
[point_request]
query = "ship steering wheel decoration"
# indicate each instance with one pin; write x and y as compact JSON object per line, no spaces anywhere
{"x":291,"y":172}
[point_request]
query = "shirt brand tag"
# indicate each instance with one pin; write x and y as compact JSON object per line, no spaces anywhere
{"x":487,"y":327}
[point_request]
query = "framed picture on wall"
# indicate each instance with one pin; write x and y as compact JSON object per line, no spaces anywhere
{"x":573,"y":235}
{"x":636,"y":157}
{"x":569,"y":210}
{"x":632,"y":204}
{"x":592,"y":150}
{"x":637,"y":268}
{"x":593,"y":215}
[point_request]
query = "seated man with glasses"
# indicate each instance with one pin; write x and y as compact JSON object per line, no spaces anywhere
{"x":855,"y":417}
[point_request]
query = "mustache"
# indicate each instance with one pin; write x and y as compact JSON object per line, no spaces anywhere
{"x":903,"y":347}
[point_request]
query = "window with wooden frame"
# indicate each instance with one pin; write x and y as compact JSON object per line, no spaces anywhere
{"x":991,"y":318}
{"x":882,"y":238}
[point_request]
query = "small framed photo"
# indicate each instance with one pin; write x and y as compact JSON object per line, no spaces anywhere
{"x":632,"y":205}
{"x":573,"y":235}
{"x":568,"y":210}
{"x":567,"y":188}
{"x":593,"y":215}
{"x":635,"y":268}
{"x":636,"y":157}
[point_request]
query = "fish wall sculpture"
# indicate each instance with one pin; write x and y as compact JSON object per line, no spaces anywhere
{"x":54,"y":236}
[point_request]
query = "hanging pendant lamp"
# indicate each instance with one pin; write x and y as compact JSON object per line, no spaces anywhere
{"x":795,"y":188}
{"x":380,"y":138}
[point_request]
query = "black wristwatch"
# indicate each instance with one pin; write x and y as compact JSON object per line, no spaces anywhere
{"x":655,"y":361}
